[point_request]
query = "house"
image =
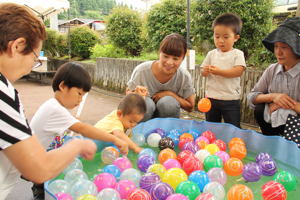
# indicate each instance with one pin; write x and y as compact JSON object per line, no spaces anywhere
{"x":64,"y":25}
{"x":285,"y":6}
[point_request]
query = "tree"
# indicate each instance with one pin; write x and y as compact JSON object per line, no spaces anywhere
{"x":255,"y":14}
{"x":124,"y":30}
{"x":165,"y":18}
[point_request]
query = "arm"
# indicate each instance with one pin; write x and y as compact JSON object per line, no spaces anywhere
{"x":280,"y":99}
{"x":37,"y":165}
{"x":187,"y":104}
{"x":98,"y":134}
{"x":233,"y":72}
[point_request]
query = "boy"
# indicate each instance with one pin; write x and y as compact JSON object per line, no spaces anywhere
{"x":223,"y":67}
{"x":53,"y":118}
{"x":130,"y":111}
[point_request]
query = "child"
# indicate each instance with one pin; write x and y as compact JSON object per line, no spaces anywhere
{"x":53,"y":118}
{"x":276,"y":94}
{"x":130,"y":111}
{"x":223,"y":67}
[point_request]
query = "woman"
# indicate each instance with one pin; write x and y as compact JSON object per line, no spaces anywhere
{"x":277,"y":93}
{"x":21,"y":36}
{"x":169,"y":87}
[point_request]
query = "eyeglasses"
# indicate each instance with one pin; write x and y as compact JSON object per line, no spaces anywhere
{"x":37,"y":62}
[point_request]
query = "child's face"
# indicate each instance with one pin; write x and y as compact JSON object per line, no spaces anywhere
{"x":224,"y":37}
{"x":71,"y":97}
{"x":285,"y":54}
{"x":130,"y":120}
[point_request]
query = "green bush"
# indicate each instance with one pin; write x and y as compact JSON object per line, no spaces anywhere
{"x":107,"y":50}
{"x":124,"y":30}
{"x":50,"y":44}
{"x":62,"y":45}
{"x":255,"y":14}
{"x":82,"y":39}
{"x":165,"y":18}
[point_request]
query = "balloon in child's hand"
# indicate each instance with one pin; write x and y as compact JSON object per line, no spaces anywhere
{"x":204,"y":105}
{"x":109,"y":154}
{"x":59,"y":186}
{"x":273,"y":190}
{"x":108,"y":193}
{"x":139,"y":139}
{"x":133,"y":175}
{"x":63,"y":196}
{"x":240,"y":191}
{"x":139,"y":194}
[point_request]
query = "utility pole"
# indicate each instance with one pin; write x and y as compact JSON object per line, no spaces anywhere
{"x":188,"y":41}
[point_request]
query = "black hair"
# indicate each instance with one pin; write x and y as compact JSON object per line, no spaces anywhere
{"x":173,"y":44}
{"x":73,"y":75}
{"x":132,"y":103}
{"x":231,"y":20}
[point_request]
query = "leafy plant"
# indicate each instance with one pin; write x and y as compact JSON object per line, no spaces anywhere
{"x":107,"y":50}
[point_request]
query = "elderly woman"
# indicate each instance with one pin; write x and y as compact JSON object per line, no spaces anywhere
{"x":277,"y":93}
{"x":166,"y":86}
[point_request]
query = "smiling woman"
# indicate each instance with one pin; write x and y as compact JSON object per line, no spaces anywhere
{"x":169,"y":87}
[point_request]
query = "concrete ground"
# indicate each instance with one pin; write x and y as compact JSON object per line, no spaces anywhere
{"x":98,"y":104}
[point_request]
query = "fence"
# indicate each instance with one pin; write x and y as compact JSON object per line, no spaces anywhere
{"x":112,"y":74}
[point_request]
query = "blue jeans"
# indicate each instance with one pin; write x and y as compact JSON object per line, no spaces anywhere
{"x":167,"y":106}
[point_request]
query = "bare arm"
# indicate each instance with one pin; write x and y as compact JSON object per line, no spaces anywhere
{"x":232,"y":72}
{"x":187,"y":104}
{"x":37,"y":165}
{"x":98,"y":134}
{"x":281,"y":100}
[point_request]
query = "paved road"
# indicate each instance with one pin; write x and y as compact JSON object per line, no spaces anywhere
{"x":98,"y":104}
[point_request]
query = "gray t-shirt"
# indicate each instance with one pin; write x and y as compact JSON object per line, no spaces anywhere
{"x":180,"y":83}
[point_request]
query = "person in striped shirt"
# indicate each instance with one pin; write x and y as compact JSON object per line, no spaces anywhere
{"x":21,"y":36}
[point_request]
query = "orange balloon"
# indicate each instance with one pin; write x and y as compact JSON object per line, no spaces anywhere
{"x":166,"y":154}
{"x":236,"y":140}
{"x":204,"y":105}
{"x":238,"y":151}
{"x":187,"y":136}
{"x":240,"y":192}
{"x":113,"y":150}
{"x":201,"y":144}
{"x":233,"y":167}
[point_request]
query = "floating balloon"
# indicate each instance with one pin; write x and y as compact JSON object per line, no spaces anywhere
{"x":201,"y":144}
{"x":233,"y":167}
{"x":202,"y":154}
{"x":133,"y":175}
{"x":74,"y":175}
{"x":236,"y":140}
{"x":175,"y":138}
{"x":238,"y":151}
{"x":182,"y":156}
{"x":252,"y":172}
{"x":200,"y":178}
{"x":153,"y":139}
{"x":58,"y":185}
{"x":108,"y":193}
{"x":125,"y":188}
{"x":262,"y":156}
{"x":172,"y":163}
{"x":161,"y":191}
{"x":139,"y":194}
{"x":212,"y":148}
{"x":204,"y":105}
{"x":109,"y":154}
{"x":83,"y":187}
{"x":217,"y":175}
{"x":112,"y":169}
{"x":215,"y":189}
{"x":166,"y":154}
{"x":240,"y":192}
{"x":159,"y":131}
{"x":205,"y":196}
{"x":183,"y":142}
{"x":186,"y":136}
{"x":189,"y":189}
{"x":209,"y":135}
{"x":192,"y":164}
{"x":211,"y":162}
{"x":287,"y":179}
{"x":122,"y":163}
{"x":191,"y":146}
{"x":177,"y":197}
{"x":273,"y":191}
{"x":195,"y":133}
{"x":166,"y":143}
{"x":158,"y":169}
{"x":221,"y":144}
{"x":139,"y":139}
{"x":268,"y":167}
{"x":223,"y":155}
{"x":147,"y":151}
{"x":176,"y":132}
{"x":144,"y":162}
{"x":105,"y":180}
{"x":63,"y":196}
{"x":202,"y":138}
{"x":148,"y":180}
{"x":87,"y":197}
{"x":174,"y":177}
{"x":76,"y":164}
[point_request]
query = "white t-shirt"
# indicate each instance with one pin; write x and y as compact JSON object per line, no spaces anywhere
{"x":218,"y":87}
{"x":51,"y":119}
{"x":13,"y":129}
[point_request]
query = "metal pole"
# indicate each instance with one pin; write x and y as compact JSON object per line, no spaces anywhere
{"x":69,"y":41}
{"x":188,"y":35}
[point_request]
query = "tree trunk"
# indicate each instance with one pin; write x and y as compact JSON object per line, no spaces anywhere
{"x":298,"y":9}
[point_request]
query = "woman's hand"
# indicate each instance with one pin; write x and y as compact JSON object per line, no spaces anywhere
{"x":283,"y":101}
{"x":273,"y":107}
{"x":161,"y":94}
{"x":141,"y":90}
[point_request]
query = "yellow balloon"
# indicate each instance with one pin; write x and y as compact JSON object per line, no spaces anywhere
{"x":87,"y":197}
{"x":212,"y":148}
{"x":158,"y":169}
{"x":174,"y":177}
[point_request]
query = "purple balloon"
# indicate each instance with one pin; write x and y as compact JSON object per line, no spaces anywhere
{"x":161,"y":191}
{"x":144,"y":162}
{"x":252,"y":172}
{"x":159,"y":131}
{"x":191,"y":146}
{"x":262,"y":156}
{"x":268,"y":167}
{"x":177,"y":197}
{"x":148,"y":180}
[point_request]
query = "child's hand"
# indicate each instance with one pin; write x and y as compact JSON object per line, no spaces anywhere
{"x":122,"y":146}
{"x":141,"y":90}
{"x":214,"y":70}
{"x":88,"y":149}
{"x":205,"y":71}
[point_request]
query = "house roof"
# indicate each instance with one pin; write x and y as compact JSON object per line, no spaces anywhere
{"x":83,"y":21}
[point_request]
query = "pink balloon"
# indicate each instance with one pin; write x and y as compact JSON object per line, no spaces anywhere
{"x":223,"y":155}
{"x":105,"y":180}
{"x":172,"y":163}
{"x":177,"y":197}
{"x":205,"y":196}
{"x":139,"y":194}
{"x":63,"y":196}
{"x":122,"y":163}
{"x":202,"y":138}
{"x":125,"y":188}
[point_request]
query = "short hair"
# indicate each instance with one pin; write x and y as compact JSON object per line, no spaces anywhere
{"x":17,"y":21}
{"x":231,"y":20}
{"x":173,"y":44}
{"x":73,"y":75}
{"x":132,"y":103}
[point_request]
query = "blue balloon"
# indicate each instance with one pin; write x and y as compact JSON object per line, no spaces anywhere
{"x":174,"y":137}
{"x":195,"y":133}
{"x":200,"y":178}
{"x":149,"y":152}
{"x":176,"y":132}
{"x":112,"y":169}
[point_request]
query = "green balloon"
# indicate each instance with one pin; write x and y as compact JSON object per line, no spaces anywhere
{"x":212,"y":161}
{"x":188,"y":189}
{"x":287,"y":179}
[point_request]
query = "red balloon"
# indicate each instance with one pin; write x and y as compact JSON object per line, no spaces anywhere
{"x":192,"y":164}
{"x":204,"y":105}
{"x":209,"y":135}
{"x":182,"y":142}
{"x":273,"y":191}
{"x":182,"y":156}
{"x":221,"y":144}
{"x":139,"y":194}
